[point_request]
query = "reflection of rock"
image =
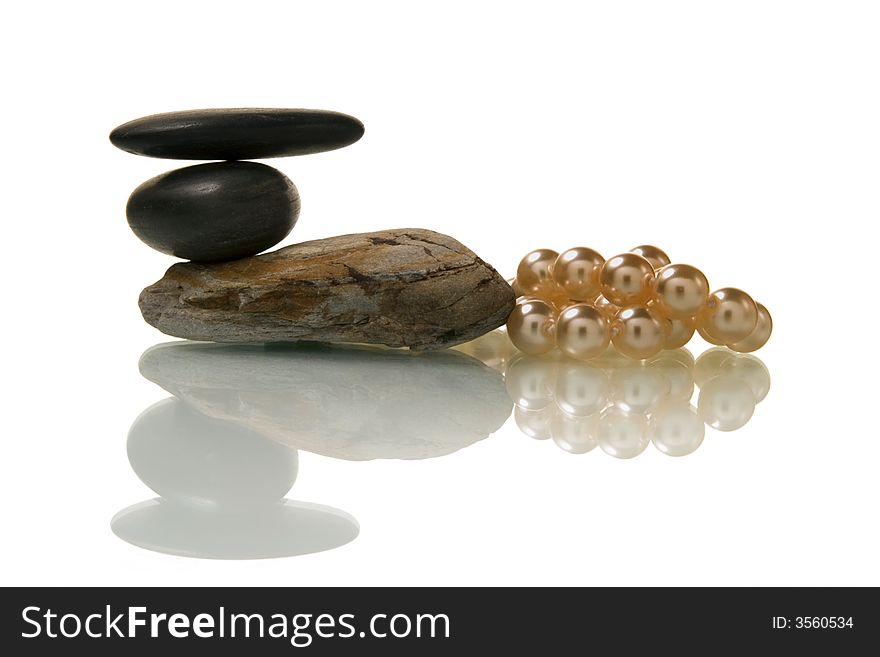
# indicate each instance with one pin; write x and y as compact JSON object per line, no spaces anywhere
{"x":354,"y":403}
{"x":222,"y":490}
{"x":285,"y":529}
{"x":184,"y":455}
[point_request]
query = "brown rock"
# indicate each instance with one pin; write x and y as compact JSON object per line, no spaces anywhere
{"x":402,"y":288}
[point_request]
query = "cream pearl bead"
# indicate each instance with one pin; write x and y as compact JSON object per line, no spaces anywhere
{"x":577,"y":271}
{"x":582,"y":389}
{"x":608,"y":309}
{"x":531,"y":326}
{"x":582,"y":332}
{"x":678,"y":332}
{"x":750,"y":369}
{"x":680,"y":291}
{"x":730,"y":315}
{"x":676,"y":367}
{"x":638,"y":388}
{"x":535,"y":268}
{"x":676,"y":429}
{"x":726,"y":403}
{"x":622,"y":435}
{"x":626,"y":279}
{"x":493,"y":349}
{"x":655,"y":255}
{"x":517,"y":290}
{"x":638,"y":332}
{"x":759,"y":335}
{"x":552,"y":293}
{"x":535,"y":424}
{"x":708,"y":337}
{"x":680,"y":355}
{"x":576,"y":435}
{"x":531,"y":382}
{"x":708,"y":365}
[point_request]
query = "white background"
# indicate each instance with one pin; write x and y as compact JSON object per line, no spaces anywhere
{"x":743,"y":137}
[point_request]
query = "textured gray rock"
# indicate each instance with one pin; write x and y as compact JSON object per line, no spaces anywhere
{"x":349,"y":402}
{"x":401,"y":288}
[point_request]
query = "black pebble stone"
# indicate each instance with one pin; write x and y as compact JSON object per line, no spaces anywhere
{"x":214,"y":212}
{"x":237,"y":134}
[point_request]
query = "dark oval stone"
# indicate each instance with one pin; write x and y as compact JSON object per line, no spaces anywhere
{"x":214,"y":212}
{"x":237,"y":134}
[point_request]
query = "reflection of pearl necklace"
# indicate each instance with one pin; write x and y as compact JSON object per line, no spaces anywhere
{"x":639,"y":301}
{"x":621,"y":405}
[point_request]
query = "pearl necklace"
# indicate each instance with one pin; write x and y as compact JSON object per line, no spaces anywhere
{"x":638,"y":301}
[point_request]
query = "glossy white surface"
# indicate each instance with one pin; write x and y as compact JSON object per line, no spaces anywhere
{"x":741,"y":138}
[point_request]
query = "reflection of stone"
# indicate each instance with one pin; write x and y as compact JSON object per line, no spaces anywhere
{"x":184,"y":455}
{"x":621,"y":405}
{"x":354,"y":403}
{"x":285,"y":529}
{"x":222,"y":491}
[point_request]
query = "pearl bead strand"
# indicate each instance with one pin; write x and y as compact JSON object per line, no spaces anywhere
{"x":639,"y":301}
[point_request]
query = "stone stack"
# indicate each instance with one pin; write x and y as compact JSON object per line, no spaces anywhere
{"x":231,"y":209}
{"x":402,"y":287}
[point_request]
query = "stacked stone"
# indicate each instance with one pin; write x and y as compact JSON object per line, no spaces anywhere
{"x":405,"y":287}
{"x":230,"y":209}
